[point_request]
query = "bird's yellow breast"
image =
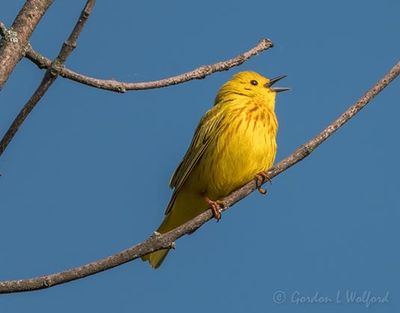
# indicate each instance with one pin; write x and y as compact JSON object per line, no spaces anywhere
{"x":246,"y":146}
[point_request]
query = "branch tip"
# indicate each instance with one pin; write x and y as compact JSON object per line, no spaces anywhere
{"x":118,"y":86}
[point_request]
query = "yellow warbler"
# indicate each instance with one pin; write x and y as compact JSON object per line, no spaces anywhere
{"x":234,"y":143}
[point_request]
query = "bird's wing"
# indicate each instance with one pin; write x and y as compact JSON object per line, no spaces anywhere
{"x":208,"y":129}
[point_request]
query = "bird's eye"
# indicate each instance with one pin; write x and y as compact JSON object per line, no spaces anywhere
{"x":254,"y":82}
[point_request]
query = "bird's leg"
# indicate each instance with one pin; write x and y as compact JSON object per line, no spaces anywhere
{"x":260,"y":179}
{"x":215,"y":206}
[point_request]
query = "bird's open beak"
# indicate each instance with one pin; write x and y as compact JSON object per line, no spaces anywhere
{"x":273,"y":81}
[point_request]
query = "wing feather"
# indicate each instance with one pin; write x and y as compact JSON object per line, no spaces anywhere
{"x":207,"y":130}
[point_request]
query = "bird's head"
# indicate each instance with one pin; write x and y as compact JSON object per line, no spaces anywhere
{"x":250,"y":84}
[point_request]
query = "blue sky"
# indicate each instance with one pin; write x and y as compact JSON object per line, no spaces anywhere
{"x":87,"y":174}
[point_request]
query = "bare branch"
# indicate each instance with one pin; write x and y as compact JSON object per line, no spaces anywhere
{"x":113,"y":85}
{"x":166,"y":240}
{"x":16,"y":38}
{"x":49,"y":77}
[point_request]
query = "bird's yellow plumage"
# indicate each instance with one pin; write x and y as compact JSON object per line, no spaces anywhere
{"x":234,"y":141}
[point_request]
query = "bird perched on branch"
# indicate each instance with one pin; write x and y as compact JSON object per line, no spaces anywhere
{"x":234,"y":143}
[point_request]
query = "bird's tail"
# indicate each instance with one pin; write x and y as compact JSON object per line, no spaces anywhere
{"x":156,"y":258}
{"x":185,"y":207}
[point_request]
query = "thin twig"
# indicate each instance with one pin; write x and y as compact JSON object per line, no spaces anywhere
{"x":3,"y":30}
{"x":166,"y":240}
{"x":16,"y":38}
{"x":49,"y":77}
{"x":117,"y":86}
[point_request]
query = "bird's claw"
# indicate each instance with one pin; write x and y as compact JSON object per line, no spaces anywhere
{"x":260,"y":179}
{"x":215,"y":207}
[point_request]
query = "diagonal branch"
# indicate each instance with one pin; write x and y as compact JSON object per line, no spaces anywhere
{"x":16,"y":38}
{"x":49,"y":77}
{"x":113,"y":85}
{"x":160,"y":241}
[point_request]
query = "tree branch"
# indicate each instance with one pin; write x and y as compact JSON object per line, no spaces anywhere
{"x":49,"y":77}
{"x":117,"y":86}
{"x":15,"y":40}
{"x":160,"y":241}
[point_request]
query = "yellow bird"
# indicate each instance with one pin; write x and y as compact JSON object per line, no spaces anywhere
{"x":234,"y":143}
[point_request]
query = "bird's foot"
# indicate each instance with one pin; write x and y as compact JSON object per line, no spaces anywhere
{"x":215,"y":207}
{"x":261,"y":178}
